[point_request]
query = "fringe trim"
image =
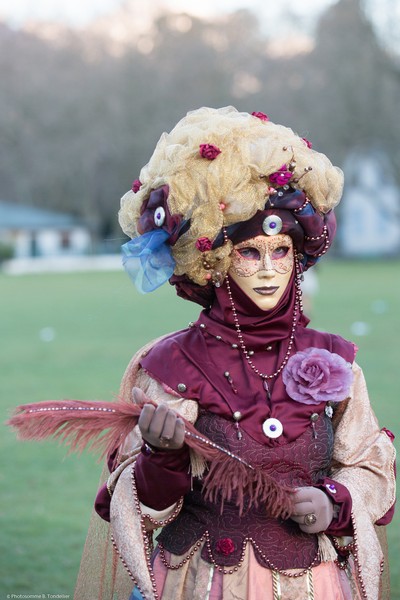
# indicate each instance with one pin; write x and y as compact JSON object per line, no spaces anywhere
{"x":327,"y":551}
{"x":198,"y":464}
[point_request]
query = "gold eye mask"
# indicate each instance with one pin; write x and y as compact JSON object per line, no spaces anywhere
{"x":263,"y":254}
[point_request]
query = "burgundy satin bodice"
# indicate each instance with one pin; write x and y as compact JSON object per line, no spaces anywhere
{"x":277,"y":543}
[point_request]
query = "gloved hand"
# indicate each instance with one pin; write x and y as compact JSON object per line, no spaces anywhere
{"x":313,"y":510}
{"x":160,"y":426}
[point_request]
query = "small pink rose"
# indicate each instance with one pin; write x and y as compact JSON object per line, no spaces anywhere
{"x":225,"y":546}
{"x":203,"y":244}
{"x":307,"y":142}
{"x":260,"y":115}
{"x":209,"y":151}
{"x":282,"y":176}
{"x":389,"y":433}
{"x":136,"y":185}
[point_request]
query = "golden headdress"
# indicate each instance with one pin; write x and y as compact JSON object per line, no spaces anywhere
{"x":218,"y":167}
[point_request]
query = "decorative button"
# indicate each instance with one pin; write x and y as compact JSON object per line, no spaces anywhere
{"x":314,"y":417}
{"x":251,"y":352}
{"x":202,"y":326}
{"x":234,"y":346}
{"x":237,"y":415}
{"x":269,"y":348}
{"x":331,"y":488}
{"x":182,"y":387}
{"x":159,"y":216}
{"x":272,"y":225}
{"x":218,"y":337}
{"x":272,"y":428}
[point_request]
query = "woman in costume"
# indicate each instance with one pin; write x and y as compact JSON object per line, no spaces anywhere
{"x":256,"y":453}
{"x":232,"y":209}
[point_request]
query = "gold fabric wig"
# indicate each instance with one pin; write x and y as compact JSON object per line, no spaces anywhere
{"x":232,"y":186}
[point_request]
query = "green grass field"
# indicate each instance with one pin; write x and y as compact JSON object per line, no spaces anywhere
{"x":71,"y":336}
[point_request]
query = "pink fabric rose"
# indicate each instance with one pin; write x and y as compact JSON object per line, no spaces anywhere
{"x":389,"y":433}
{"x":281,"y":177}
{"x":136,"y":185}
{"x":225,"y":546}
{"x":209,"y":151}
{"x":203,"y":244}
{"x":316,"y":375}
{"x":260,"y":115}
{"x":307,"y":142}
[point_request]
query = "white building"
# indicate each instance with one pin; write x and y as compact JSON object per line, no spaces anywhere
{"x":35,"y":232}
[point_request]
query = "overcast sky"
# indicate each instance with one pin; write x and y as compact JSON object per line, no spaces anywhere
{"x":80,"y":12}
{"x":281,"y":17}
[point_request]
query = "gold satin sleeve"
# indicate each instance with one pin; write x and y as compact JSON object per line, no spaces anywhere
{"x":363,"y":461}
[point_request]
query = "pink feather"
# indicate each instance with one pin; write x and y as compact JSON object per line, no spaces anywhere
{"x":103,"y":426}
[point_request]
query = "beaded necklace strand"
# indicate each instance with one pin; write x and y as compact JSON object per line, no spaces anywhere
{"x":298,"y":308}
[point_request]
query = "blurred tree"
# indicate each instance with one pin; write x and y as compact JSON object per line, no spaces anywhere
{"x":81,"y":113}
{"x":357,"y":86}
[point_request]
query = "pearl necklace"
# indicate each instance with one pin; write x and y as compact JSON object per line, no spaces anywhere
{"x":298,"y":307}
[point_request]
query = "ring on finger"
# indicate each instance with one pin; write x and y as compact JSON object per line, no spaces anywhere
{"x":310,"y":519}
{"x":164,"y":441}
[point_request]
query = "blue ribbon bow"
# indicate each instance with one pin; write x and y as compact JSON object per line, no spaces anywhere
{"x":148,"y":260}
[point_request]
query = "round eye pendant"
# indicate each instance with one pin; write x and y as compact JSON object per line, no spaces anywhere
{"x":159,"y":216}
{"x":272,"y":225}
{"x":272,"y":428}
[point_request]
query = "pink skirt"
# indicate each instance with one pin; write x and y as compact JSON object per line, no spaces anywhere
{"x":200,"y":580}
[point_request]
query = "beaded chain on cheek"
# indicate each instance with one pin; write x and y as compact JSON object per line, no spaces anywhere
{"x":298,"y":307}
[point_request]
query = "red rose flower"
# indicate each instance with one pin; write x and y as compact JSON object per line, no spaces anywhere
{"x":282,"y":176}
{"x":260,"y":115}
{"x":136,"y":185}
{"x":307,"y":142}
{"x":203,"y":244}
{"x":225,"y":546}
{"x":209,"y":151}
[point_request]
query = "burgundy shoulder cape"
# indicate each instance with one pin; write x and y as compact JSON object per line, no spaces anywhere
{"x":195,"y":362}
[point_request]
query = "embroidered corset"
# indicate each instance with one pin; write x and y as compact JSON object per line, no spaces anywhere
{"x":277,"y":543}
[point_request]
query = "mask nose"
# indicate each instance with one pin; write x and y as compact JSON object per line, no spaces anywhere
{"x":267,"y":264}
